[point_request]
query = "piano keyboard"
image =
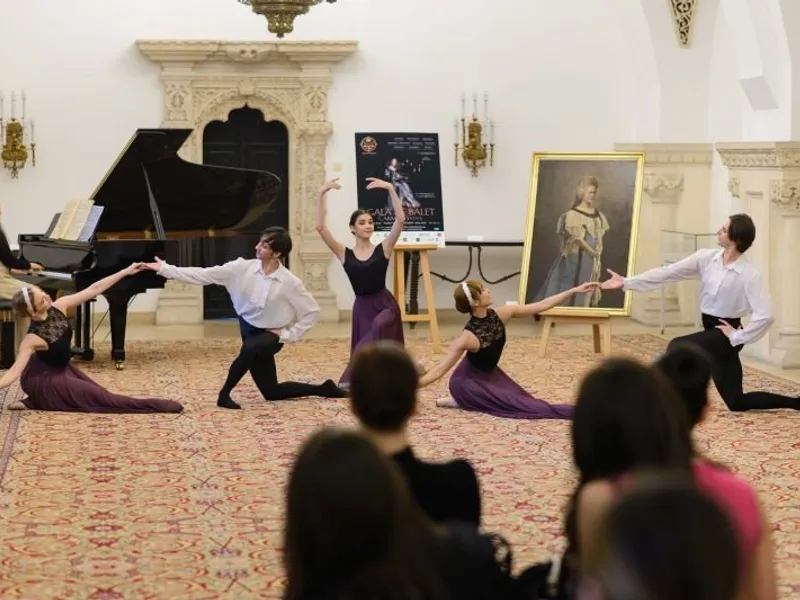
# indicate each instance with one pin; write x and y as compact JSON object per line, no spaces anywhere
{"x":53,"y":275}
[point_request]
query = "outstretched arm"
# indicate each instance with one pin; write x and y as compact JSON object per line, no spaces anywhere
{"x":399,"y":214}
{"x":327,"y":237}
{"x":688,"y":268}
{"x":454,"y":353}
{"x":216,"y":275}
{"x":30,"y":343}
{"x":508,"y":311}
{"x":98,"y":287}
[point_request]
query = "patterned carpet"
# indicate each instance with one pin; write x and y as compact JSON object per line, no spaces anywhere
{"x":189,"y":506}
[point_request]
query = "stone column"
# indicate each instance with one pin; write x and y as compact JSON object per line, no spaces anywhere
{"x":785,"y":198}
{"x":315,"y":257}
{"x":677,"y":180}
{"x":764,"y":178}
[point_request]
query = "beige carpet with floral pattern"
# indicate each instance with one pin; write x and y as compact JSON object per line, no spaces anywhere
{"x":189,"y":506}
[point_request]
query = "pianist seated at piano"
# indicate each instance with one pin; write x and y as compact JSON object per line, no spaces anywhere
{"x":9,"y":285}
{"x":43,"y":361}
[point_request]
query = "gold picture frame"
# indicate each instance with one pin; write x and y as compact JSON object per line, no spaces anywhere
{"x":566,"y":227}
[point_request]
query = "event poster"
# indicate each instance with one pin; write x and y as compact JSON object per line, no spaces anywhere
{"x":411,"y":162}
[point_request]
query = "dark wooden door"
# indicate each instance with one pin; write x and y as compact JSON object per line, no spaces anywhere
{"x":244,"y":141}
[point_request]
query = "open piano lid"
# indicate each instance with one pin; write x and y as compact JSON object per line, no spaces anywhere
{"x":188,"y":196}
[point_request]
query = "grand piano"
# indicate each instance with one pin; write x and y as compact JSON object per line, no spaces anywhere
{"x":155,"y":204}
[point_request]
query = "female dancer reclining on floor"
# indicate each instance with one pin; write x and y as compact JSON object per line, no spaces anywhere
{"x":478,"y":383}
{"x":43,"y":361}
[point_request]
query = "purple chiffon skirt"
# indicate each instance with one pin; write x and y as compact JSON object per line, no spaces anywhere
{"x":69,"y":389}
{"x":375,"y":317}
{"x":495,"y":393}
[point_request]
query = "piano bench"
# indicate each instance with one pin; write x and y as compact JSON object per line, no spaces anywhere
{"x":8,"y":344}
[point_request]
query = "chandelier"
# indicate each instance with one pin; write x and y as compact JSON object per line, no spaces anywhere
{"x":280,"y":14}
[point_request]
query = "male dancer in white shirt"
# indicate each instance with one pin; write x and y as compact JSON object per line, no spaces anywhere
{"x":730,"y":288}
{"x":267,"y":297}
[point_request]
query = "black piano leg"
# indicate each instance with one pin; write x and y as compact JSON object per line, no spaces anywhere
{"x":8,"y":344}
{"x":83,"y":332}
{"x":118,"y":317}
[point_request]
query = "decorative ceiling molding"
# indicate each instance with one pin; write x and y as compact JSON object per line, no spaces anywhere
{"x":671,"y":154}
{"x":683,"y":12}
{"x":760,"y":155}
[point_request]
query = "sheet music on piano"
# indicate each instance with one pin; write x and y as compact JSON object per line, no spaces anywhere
{"x":77,"y":222}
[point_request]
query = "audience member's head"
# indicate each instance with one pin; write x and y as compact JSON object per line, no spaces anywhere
{"x":688,"y":367}
{"x":383,"y":387}
{"x":627,"y":416}
{"x":663,"y":540}
{"x":351,"y":524}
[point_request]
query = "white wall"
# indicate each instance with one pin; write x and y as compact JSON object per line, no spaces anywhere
{"x":750,"y":81}
{"x":567,"y":75}
{"x":558,"y":76}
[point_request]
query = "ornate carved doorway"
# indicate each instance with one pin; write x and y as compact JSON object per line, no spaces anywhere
{"x":244,"y":141}
{"x":203,"y":81}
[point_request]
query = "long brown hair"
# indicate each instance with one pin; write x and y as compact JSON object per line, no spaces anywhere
{"x":352,"y":528}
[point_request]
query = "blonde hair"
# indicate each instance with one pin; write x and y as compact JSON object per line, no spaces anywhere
{"x":463,"y":304}
{"x":585,"y":182}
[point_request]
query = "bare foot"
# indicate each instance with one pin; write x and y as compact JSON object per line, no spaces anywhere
{"x":17,"y":405}
{"x":446,"y":403}
{"x":421,"y":370}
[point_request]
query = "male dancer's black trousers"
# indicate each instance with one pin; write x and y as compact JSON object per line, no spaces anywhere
{"x":727,"y":369}
{"x":257,"y":355}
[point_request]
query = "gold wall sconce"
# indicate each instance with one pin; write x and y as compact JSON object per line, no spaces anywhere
{"x":473,"y":150}
{"x":13,"y":135}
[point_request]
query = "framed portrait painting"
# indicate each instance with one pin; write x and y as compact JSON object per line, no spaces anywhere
{"x":583,"y":217}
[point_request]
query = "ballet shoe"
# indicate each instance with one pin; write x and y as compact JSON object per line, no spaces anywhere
{"x":446,"y":403}
{"x":331,"y":390}
{"x":17,"y":405}
{"x":226,"y":402}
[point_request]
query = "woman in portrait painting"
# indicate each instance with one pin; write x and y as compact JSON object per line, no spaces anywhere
{"x":580,"y":231}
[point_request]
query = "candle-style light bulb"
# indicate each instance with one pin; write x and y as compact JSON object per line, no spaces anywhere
{"x":474,"y":104}
{"x":13,"y":104}
{"x":24,"y":102}
{"x":33,"y":136}
{"x":463,"y":105}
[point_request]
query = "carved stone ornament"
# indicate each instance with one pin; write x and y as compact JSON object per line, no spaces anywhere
{"x":755,"y":155}
{"x":733,"y":187}
{"x":683,"y":12}
{"x":785,"y":193}
{"x":663,"y":187}
{"x":204,"y":80}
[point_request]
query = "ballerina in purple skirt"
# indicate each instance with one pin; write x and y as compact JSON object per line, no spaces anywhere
{"x":376,"y":314}
{"x":43,"y":361}
{"x":478,"y":384}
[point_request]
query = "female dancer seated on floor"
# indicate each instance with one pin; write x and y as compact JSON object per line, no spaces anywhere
{"x":478,"y":383}
{"x":43,"y":361}
{"x":376,"y":314}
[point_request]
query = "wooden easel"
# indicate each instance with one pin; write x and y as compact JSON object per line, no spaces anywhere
{"x":399,"y":278}
{"x":601,"y":330}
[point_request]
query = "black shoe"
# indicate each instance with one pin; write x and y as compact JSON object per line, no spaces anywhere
{"x":331,"y":390}
{"x":226,"y":402}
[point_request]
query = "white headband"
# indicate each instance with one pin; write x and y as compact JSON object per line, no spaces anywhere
{"x":467,"y":293}
{"x":27,"y":298}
